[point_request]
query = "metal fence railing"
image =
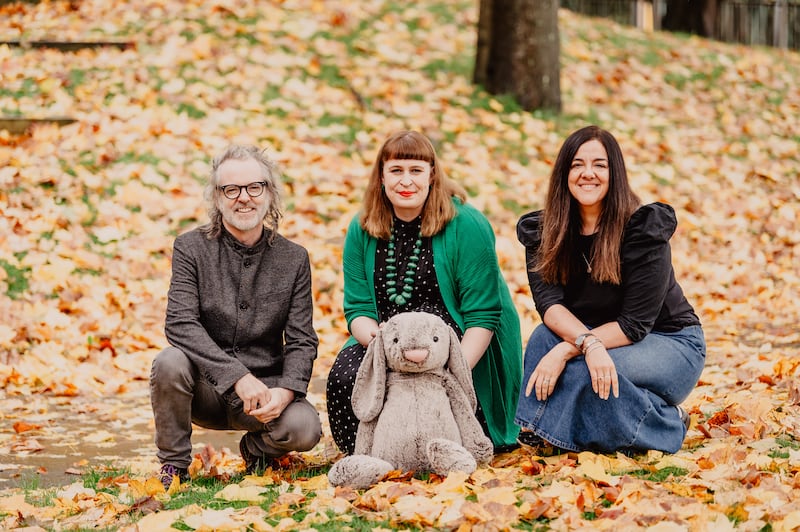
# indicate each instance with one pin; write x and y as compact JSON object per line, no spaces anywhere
{"x":752,"y":22}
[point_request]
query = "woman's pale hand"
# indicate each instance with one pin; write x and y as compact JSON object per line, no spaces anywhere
{"x":544,"y":377}
{"x":602,"y":371}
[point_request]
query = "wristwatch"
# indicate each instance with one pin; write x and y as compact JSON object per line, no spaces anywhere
{"x":580,"y":341}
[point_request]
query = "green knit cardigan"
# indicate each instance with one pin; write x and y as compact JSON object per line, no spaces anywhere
{"x":475,"y":294}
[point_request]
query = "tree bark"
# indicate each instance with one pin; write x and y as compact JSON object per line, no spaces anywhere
{"x":518,"y":51}
{"x":687,"y":16}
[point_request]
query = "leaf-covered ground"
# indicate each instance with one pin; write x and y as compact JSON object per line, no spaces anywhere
{"x":90,"y":209}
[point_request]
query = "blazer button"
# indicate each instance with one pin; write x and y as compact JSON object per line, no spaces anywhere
{"x":243,"y":306}
{"x":247,"y":263}
{"x":236,"y":349}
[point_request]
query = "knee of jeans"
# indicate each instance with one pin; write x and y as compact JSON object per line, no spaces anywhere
{"x":170,"y":364}
{"x":300,"y":428}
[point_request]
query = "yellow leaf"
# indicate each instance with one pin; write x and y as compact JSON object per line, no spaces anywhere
{"x":502,"y":495}
{"x":319,"y":482}
{"x":455,"y":482}
{"x":137,"y":488}
{"x":235,"y":492}
{"x":417,"y":510}
{"x":16,"y":503}
{"x":153,"y":486}
{"x":789,"y":523}
{"x":594,"y":470}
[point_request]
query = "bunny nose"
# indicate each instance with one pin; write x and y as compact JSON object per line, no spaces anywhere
{"x":415,"y":355}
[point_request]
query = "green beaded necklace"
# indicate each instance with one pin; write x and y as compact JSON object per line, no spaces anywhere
{"x":404,"y":295}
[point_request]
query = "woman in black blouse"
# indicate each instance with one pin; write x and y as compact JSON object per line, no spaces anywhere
{"x":620,"y":347}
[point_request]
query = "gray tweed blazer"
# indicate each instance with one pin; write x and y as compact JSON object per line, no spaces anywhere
{"x":234,"y":309}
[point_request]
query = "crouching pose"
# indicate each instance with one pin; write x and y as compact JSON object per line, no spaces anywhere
{"x":620,"y":347}
{"x":239,"y":324}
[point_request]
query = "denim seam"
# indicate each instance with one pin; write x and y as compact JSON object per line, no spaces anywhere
{"x":638,"y":427}
{"x":542,"y":434}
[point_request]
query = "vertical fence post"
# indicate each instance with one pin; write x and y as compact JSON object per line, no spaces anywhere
{"x":780,"y":24}
{"x":644,"y":15}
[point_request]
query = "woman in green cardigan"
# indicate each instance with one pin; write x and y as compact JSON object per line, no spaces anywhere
{"x":417,"y":246}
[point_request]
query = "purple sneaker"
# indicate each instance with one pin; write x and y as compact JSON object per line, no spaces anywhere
{"x":168,"y":471}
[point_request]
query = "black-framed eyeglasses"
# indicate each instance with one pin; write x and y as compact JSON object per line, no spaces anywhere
{"x":254,"y":189}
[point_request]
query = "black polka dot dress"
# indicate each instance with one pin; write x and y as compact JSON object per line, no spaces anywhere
{"x":425,"y":297}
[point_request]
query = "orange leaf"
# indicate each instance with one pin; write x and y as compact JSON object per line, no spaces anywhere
{"x":21,"y":426}
{"x":720,"y":418}
{"x":105,"y":343}
{"x":705,"y":463}
{"x":530,"y":467}
{"x":766,"y":379}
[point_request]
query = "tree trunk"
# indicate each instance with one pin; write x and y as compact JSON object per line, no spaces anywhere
{"x":518,"y":51}
{"x":691,"y":16}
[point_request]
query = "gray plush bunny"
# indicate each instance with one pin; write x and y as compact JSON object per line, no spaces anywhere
{"x":415,"y":401}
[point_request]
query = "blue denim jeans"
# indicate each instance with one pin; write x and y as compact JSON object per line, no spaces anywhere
{"x":655,"y":374}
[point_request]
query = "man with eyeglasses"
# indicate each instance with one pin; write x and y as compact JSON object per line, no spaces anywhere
{"x":239,"y":325}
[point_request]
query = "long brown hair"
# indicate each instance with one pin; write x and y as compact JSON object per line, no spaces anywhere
{"x":561,"y":222}
{"x":377,"y":215}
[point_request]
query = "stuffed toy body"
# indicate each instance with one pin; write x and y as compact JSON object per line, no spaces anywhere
{"x":415,"y":402}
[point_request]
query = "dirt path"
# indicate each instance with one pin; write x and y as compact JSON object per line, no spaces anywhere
{"x":62,"y":437}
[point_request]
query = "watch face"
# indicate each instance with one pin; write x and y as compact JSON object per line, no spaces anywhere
{"x":580,"y":340}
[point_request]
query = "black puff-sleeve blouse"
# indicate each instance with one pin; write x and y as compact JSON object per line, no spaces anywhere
{"x":648,"y":298}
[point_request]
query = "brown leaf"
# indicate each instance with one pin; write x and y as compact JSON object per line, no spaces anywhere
{"x":794,"y":392}
{"x":345,"y":492}
{"x":147,"y":505}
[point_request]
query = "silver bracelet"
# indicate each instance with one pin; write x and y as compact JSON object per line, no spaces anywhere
{"x":590,"y":343}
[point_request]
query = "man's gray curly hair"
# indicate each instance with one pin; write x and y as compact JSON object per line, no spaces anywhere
{"x":269,"y":173}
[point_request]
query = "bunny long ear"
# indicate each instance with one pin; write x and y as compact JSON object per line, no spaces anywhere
{"x":370,"y":386}
{"x":458,"y":366}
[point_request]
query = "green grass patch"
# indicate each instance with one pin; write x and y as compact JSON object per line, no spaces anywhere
{"x":445,"y":11}
{"x":331,"y":75}
{"x":190,"y":110}
{"x":357,"y":524}
{"x":92,"y":478}
{"x":42,"y":498}
{"x":75,"y":78}
{"x":460,"y":65}
{"x":27,"y":89}
{"x":659,"y":475}
{"x":202,"y":491}
{"x":652,"y":58}
{"x":16,"y":278}
{"x":514,"y":206}
{"x":785,"y":446}
{"x":789,"y":442}
{"x":678,"y":81}
{"x":92,"y":211}
{"x":93,"y":272}
{"x":132,"y":157}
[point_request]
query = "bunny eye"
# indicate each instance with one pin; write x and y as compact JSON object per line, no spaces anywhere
{"x":435,"y":338}
{"x":396,"y":340}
